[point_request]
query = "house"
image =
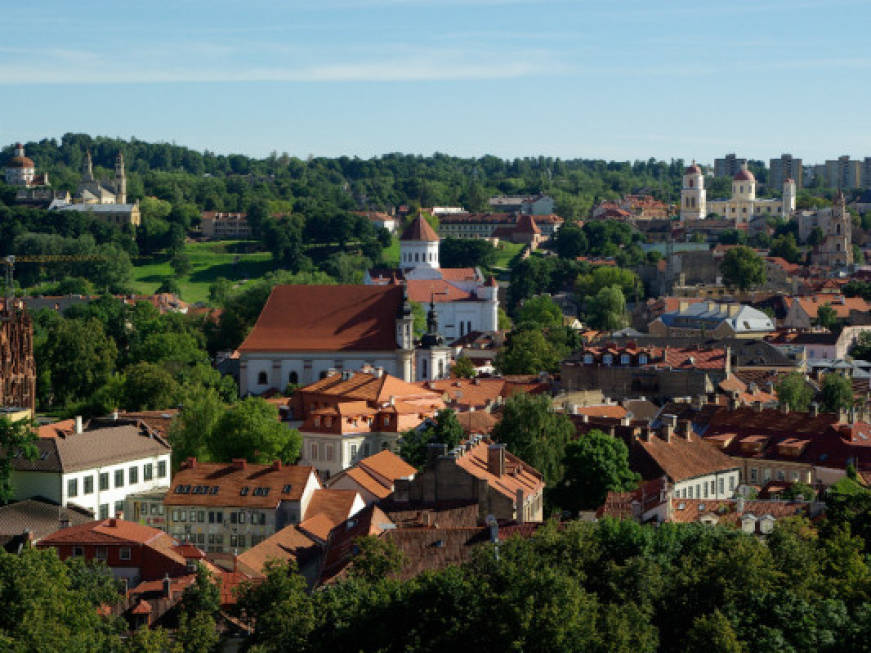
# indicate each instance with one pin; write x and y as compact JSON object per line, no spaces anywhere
{"x":495,"y":225}
{"x":693,"y":468}
{"x":230,"y":507}
{"x":379,"y":219}
{"x":94,"y":468}
{"x":350,"y":416}
{"x":477,"y":471}
{"x":529,"y":204}
{"x":217,"y":225}
{"x":304,"y":332}
{"x":714,"y":320}
{"x":373,"y":477}
{"x":23,"y":523}
{"x":132,"y":551}
{"x":630,"y":370}
{"x":802,"y":311}
{"x":290,"y":543}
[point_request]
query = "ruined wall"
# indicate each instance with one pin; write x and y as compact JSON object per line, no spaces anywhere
{"x":17,"y":365}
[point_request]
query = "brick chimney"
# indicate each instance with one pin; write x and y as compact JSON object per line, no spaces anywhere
{"x":276,"y":466}
{"x":191,"y":462}
{"x":240,"y":463}
{"x":496,"y":459}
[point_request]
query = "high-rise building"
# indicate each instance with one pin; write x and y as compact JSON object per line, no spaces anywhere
{"x":786,"y":167}
{"x":843,"y":173}
{"x":729,"y":166}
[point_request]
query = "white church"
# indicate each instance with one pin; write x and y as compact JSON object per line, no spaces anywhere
{"x":741,"y":208}
{"x":464,"y":300}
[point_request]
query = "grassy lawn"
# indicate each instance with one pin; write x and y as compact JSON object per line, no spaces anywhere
{"x":505,"y":252}
{"x":391,"y":254}
{"x":209,"y":260}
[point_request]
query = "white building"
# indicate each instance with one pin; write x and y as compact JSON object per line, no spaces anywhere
{"x":95,"y":469}
{"x":693,"y":202}
{"x":530,"y":205}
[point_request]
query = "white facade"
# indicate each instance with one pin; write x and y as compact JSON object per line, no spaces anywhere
{"x":720,"y":485}
{"x":330,"y":453}
{"x":418,"y":253}
{"x":100,"y":489}
{"x":693,"y":204}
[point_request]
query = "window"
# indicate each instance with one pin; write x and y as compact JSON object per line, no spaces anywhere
{"x":101,"y":553}
{"x":753,"y":473}
{"x":78,"y":551}
{"x":104,"y":480}
{"x":780,"y":475}
{"x":588,"y":359}
{"x":237,"y":541}
{"x":642,"y":359}
{"x":133,"y":475}
{"x":242,"y":517}
{"x":731,"y":483}
{"x":104,"y":511}
{"x":624,"y":359}
{"x":216,"y":538}
{"x":147,"y":471}
{"x":119,"y":478}
{"x":193,"y":516}
{"x":705,"y":488}
{"x":89,"y":484}
{"x":793,"y":476}
{"x":329,"y":452}
{"x":314,"y":451}
{"x":293,"y":378}
{"x":234,"y":517}
{"x":161,"y":469}
{"x":607,"y":359}
{"x":353,"y":451}
{"x":73,"y":487}
{"x":423,"y":371}
{"x":691,"y":492}
{"x":721,"y":485}
{"x":201,"y":516}
{"x":262,"y":378}
{"x":124,"y":553}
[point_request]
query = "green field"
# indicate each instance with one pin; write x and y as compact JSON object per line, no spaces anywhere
{"x":209,"y":261}
{"x":504,"y":254}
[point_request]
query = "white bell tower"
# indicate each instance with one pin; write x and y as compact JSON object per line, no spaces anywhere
{"x":693,"y":203}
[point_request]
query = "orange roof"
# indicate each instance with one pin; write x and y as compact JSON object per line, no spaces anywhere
{"x":419,"y":229}
{"x":143,"y":607}
{"x":841,"y":305}
{"x":526,"y":225}
{"x":56,"y":429}
{"x":387,"y":465}
{"x":469,"y":392}
{"x":477,"y":422}
{"x":458,"y":274}
{"x":336,"y":505}
{"x":327,"y":318}
{"x":368,"y":482}
{"x":318,"y":526}
{"x":614,"y":411}
{"x":363,"y":386}
{"x":683,"y":458}
{"x":518,"y":475}
{"x":725,"y":510}
{"x":108,"y":531}
{"x":423,"y":291}
{"x":289,"y":542}
{"x":237,"y":484}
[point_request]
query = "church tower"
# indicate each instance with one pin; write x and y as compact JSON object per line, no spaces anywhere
{"x":432,"y":359}
{"x":693,"y":204}
{"x":88,"y":168}
{"x":120,"y":180}
{"x":419,"y":246}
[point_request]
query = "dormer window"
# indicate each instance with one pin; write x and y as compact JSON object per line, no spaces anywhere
{"x":588,"y":359}
{"x":624,"y":359}
{"x":642,"y":359}
{"x":317,"y":420}
{"x":608,"y":359}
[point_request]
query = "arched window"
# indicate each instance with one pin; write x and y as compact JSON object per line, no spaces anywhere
{"x":423,"y":368}
{"x":691,"y":183}
{"x":293,"y":378}
{"x":262,"y":378}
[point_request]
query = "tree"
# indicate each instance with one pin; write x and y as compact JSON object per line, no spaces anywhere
{"x":464,"y":368}
{"x":190,"y":433}
{"x":466,"y":253}
{"x":540,"y":312}
{"x":445,"y":429}
{"x":785,"y":247}
{"x":169,"y":285}
{"x":197,"y":631}
{"x":571,"y":242}
{"x":795,"y":392}
{"x":15,"y":437}
{"x":149,"y":386}
{"x":799,"y":490}
{"x":251,"y":430}
{"x":606,"y":311}
{"x":836,"y":393}
{"x":742,"y":268}
{"x":827,"y":317}
{"x":528,"y":352}
{"x":181,"y":264}
{"x":535,"y":433}
{"x":595,"y":464}
{"x":712,"y":632}
{"x":375,"y":558}
{"x":862,"y":348}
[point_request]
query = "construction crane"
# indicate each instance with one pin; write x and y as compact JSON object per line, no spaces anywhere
{"x":10,"y":262}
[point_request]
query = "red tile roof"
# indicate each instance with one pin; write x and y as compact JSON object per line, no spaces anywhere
{"x":518,"y":475}
{"x":419,"y":229}
{"x":251,"y":486}
{"x":327,"y":318}
{"x":423,"y":291}
{"x":680,"y":459}
{"x":387,"y":466}
{"x":336,"y":505}
{"x":289,"y":542}
{"x":108,"y":531}
{"x":526,"y":225}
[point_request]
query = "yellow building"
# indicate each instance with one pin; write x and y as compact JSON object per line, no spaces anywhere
{"x":743,"y":206}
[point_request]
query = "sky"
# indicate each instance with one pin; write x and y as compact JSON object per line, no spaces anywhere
{"x":614,"y":79}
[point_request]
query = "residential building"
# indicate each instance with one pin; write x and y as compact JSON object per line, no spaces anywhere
{"x":713,"y":320}
{"x":494,"y":225}
{"x":632,"y":370}
{"x":290,"y":543}
{"x":529,"y":204}
{"x":843,"y":173}
{"x":802,"y":310}
{"x":728,"y":166}
{"x":218,"y":225}
{"x":478,"y":471}
{"x":786,"y":167}
{"x":228,"y":507}
{"x":693,"y":468}
{"x":836,"y":226}
{"x":379,"y":219}
{"x":115,"y":214}
{"x":26,"y":522}
{"x":146,"y":508}
{"x":133,"y":552}
{"x":373,"y":477}
{"x":94,"y":468}
{"x":632,"y":207}
{"x":350,"y":416}
{"x":743,"y":205}
{"x":464,"y":301}
{"x":303,"y":332}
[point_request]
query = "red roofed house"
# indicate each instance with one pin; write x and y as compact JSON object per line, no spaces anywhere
{"x":304,"y":332}
{"x":230,"y":507}
{"x":481,"y":472}
{"x":132,"y":551}
{"x":349,"y":416}
{"x":374,"y":477}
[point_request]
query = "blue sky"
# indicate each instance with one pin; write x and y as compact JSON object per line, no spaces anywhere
{"x":610,"y":79}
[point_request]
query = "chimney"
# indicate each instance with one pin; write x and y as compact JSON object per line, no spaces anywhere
{"x":684,"y":428}
{"x":239,"y":463}
{"x":191,"y":462}
{"x":434,"y":450}
{"x":379,"y":372}
{"x":496,"y":459}
{"x":276,"y":466}
{"x":739,"y":505}
{"x":112,"y":523}
{"x":64,"y":522}
{"x":78,"y":423}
